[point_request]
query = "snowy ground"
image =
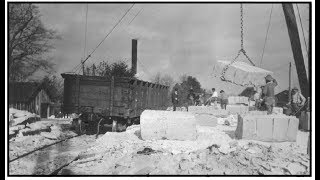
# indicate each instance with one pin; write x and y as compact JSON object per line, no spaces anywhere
{"x":46,"y":161}
{"x":42,"y":133}
{"x":215,"y":152}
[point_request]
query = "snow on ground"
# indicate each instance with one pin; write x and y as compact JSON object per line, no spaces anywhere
{"x":40,"y":133}
{"x":46,"y":161}
{"x":18,"y":116}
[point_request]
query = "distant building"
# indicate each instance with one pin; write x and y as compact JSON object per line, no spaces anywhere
{"x":30,"y":96}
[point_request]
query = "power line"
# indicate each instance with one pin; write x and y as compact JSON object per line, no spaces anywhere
{"x":108,"y":33}
{"x":135,"y":16}
{"x":265,"y":40}
{"x":103,"y":39}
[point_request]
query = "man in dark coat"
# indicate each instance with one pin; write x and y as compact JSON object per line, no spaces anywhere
{"x":190,"y":98}
{"x":175,"y":99}
{"x":268,"y":93}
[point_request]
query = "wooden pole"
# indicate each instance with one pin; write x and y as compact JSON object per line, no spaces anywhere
{"x":289,"y":98}
{"x":296,"y":48}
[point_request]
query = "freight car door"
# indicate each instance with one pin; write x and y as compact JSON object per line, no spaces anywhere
{"x":95,"y":94}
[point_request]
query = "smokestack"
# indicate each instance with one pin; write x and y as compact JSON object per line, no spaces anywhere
{"x":134,"y":56}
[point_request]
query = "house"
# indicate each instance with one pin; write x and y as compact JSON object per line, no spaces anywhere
{"x":30,"y":96}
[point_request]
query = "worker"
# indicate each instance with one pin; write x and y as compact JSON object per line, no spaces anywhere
{"x":201,"y":99}
{"x":190,"y":98}
{"x":257,"y":98}
{"x":297,"y":100}
{"x":213,"y":98}
{"x":175,"y":99}
{"x":268,"y":93}
{"x":223,"y":99}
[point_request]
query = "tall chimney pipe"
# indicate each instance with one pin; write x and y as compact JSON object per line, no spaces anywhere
{"x":134,"y":56}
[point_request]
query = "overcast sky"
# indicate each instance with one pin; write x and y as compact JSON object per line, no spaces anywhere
{"x":175,"y":39}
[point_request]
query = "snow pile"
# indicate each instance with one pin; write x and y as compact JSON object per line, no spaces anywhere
{"x":18,"y":116}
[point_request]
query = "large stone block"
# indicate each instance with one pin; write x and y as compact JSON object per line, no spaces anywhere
{"x":207,"y":110}
{"x":206,"y":120}
{"x":238,"y":100}
{"x":177,"y":125}
{"x":277,"y":110}
{"x":237,"y":109}
{"x":241,"y":73}
{"x":267,"y":127}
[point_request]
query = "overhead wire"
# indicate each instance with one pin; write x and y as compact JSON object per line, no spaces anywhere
{"x":108,"y":33}
{"x":266,"y":37}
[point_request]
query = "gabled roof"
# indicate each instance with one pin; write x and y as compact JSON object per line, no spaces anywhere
{"x":24,"y":91}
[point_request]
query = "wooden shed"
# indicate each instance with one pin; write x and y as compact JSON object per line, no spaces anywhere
{"x":30,"y":96}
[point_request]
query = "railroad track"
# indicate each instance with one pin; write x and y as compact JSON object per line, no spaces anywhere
{"x":51,"y":158}
{"x":41,"y":148}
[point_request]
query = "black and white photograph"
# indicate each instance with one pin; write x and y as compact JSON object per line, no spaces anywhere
{"x":159,"y":88}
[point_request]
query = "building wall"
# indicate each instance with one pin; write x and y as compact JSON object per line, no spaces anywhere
{"x":34,"y":106}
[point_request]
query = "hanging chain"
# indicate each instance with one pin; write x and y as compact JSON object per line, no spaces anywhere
{"x":241,"y":26}
{"x":224,"y":70}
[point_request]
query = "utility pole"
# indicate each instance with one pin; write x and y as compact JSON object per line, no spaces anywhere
{"x":83,"y":71}
{"x":289,"y":98}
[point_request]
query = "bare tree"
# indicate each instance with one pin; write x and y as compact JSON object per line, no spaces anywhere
{"x":119,"y":69}
{"x":28,"y":40}
{"x":166,"y":79}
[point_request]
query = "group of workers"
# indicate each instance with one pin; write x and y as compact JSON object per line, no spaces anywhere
{"x":264,"y":98}
{"x":198,"y":100}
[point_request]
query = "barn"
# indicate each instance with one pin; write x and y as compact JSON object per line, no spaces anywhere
{"x":30,"y":96}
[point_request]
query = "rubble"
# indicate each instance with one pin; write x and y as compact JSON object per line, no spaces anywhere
{"x":213,"y":153}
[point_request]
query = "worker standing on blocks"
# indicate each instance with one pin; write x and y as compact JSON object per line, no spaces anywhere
{"x":213,"y":98}
{"x":175,"y":99}
{"x":268,"y":92}
{"x":297,"y":101}
{"x":223,"y":99}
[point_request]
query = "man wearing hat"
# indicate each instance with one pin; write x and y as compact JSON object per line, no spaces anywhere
{"x":297,"y":100}
{"x":268,"y":92}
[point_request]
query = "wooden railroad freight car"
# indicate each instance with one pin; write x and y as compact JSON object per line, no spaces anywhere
{"x":109,"y":102}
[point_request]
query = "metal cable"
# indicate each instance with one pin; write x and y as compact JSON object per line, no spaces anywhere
{"x":108,"y":33}
{"x":224,"y":70}
{"x":265,"y":40}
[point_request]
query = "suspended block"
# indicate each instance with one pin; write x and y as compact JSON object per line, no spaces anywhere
{"x":241,"y":73}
